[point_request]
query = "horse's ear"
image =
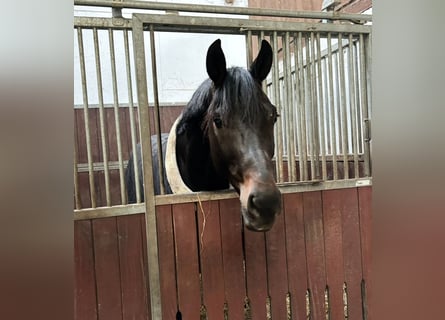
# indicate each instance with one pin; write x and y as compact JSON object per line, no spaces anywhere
{"x":216,"y":63}
{"x":260,"y":67}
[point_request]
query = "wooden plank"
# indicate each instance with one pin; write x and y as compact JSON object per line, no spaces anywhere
{"x":352,"y":251}
{"x":332,"y":222}
{"x":256,"y":273}
{"x":80,"y":135}
{"x":107,"y":269}
{"x":296,"y":253}
{"x":233,"y":257}
{"x":166,"y":256}
{"x":187,"y":265}
{"x":132,"y":271}
{"x":115,"y":188}
{"x":365,"y":205}
{"x":84,"y":286}
{"x":211,"y":258}
{"x":111,"y":139}
{"x":84,"y":190}
{"x":277,"y":268}
{"x":313,"y":229}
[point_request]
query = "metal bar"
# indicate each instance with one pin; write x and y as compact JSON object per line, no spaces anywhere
{"x":309,"y":106}
{"x":287,"y":66}
{"x":298,"y":70}
{"x":357,"y":98}
{"x":260,"y":38}
{"x":365,"y":76}
{"x":321,"y":108}
{"x":157,"y":116}
{"x":150,"y":214}
{"x":326,"y":117}
{"x":102,"y":23}
{"x":249,"y":54}
{"x":86,"y":118}
{"x":116,"y":115}
{"x":343,"y":121}
{"x":150,"y":5}
{"x":131,"y":114}
{"x":103,"y":133}
{"x":75,"y":177}
{"x":279,"y":126}
{"x":314,"y":109}
{"x":332,"y":130}
{"x":302,"y":110}
{"x":353,"y":106}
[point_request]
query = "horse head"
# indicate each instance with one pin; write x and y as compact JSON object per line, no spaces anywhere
{"x":240,"y":128}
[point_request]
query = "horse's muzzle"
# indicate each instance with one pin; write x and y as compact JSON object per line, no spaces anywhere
{"x":263,"y":205}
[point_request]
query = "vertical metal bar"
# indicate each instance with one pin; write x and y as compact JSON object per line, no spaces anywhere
{"x":279,"y":126}
{"x":150,"y":213}
{"x":157,"y":116}
{"x":353,"y":106}
{"x":249,"y":49}
{"x":131,"y":114}
{"x":310,"y":109}
{"x":103,"y":133}
{"x":343,"y":121}
{"x":86,"y":118}
{"x":287,"y":66}
{"x":332,"y":130}
{"x":116,"y":115}
{"x":314,"y":110}
{"x":357,"y":97}
{"x":298,"y":70}
{"x":321,"y":108}
{"x":302,"y":111}
{"x":326,"y":117}
{"x":76,"y":180}
{"x":260,"y":38}
{"x":365,"y":82}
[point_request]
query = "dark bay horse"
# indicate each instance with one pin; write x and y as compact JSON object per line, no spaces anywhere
{"x":224,"y":137}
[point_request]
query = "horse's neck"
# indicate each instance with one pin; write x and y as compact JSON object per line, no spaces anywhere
{"x":194,"y":160}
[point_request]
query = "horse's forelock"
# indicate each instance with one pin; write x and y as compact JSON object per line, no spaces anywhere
{"x":240,"y":95}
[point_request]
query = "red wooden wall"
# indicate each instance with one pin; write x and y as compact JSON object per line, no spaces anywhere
{"x":319,"y":243}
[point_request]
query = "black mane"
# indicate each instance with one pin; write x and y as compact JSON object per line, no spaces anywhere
{"x":239,"y":88}
{"x":242,"y":90}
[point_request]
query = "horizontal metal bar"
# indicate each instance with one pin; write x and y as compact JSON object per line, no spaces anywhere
{"x":104,"y":212}
{"x":149,"y":5}
{"x":114,"y":165}
{"x":102,"y":23}
{"x":121,"y":210}
{"x":231,"y":25}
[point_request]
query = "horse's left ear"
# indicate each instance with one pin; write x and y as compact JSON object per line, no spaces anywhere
{"x":216,"y":63}
{"x":260,"y":67}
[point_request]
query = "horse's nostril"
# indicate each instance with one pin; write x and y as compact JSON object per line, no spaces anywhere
{"x":253,"y":205}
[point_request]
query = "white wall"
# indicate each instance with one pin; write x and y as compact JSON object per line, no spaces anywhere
{"x":180,"y":60}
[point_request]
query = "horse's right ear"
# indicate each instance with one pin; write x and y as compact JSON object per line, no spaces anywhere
{"x":216,"y":63}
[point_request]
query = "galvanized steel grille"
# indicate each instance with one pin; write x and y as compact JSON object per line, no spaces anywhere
{"x":319,"y":83}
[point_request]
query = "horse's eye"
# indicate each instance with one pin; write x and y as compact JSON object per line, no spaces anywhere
{"x":218,"y":122}
{"x":274,"y":116}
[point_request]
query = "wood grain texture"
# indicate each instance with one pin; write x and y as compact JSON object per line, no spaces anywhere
{"x":233,"y":264}
{"x":107,"y":269}
{"x":296,"y":253}
{"x":85,"y":306}
{"x":187,"y":259}
{"x":166,"y":245}
{"x":133,"y":271}
{"x":315,"y":251}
